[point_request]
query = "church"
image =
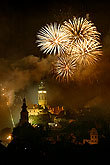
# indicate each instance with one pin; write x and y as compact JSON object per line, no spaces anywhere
{"x":42,"y":112}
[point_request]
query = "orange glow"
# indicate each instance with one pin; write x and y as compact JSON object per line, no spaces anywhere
{"x":9,"y":137}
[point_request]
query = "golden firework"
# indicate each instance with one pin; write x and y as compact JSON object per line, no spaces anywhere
{"x":64,"y":67}
{"x":79,"y":29}
{"x":87,"y":52}
{"x":75,"y":43}
{"x":51,"y":39}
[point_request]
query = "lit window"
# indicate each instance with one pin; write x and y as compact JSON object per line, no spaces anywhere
{"x":42,"y":92}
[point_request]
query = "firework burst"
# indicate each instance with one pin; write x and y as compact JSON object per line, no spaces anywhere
{"x":78,"y":29}
{"x":87,"y":52}
{"x":51,"y":39}
{"x":64,"y":67}
{"x":76,"y":43}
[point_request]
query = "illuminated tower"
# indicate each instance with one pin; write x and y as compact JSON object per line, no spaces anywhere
{"x":24,"y":113}
{"x":42,"y":95}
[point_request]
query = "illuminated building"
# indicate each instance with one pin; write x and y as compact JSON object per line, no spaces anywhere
{"x":42,"y":108}
{"x":42,"y":95}
{"x":55,"y":110}
{"x":93,"y":137}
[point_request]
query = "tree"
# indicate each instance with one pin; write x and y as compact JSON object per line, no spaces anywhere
{"x":41,"y":119}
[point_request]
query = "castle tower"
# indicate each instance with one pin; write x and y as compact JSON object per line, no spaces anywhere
{"x":94,"y":136}
{"x":24,"y":113}
{"x":42,"y":95}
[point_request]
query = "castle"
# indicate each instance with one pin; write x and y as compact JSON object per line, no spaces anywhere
{"x":42,"y":114}
{"x":42,"y":109}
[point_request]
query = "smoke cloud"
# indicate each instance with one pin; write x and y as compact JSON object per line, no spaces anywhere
{"x":17,"y":75}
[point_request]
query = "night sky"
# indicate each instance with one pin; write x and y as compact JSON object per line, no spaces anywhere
{"x":21,"y":68}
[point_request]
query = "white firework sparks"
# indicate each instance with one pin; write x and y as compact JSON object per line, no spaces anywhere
{"x":51,"y":39}
{"x":75,"y":43}
{"x":79,"y":29}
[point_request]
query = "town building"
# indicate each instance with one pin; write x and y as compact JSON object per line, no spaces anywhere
{"x":93,"y":137}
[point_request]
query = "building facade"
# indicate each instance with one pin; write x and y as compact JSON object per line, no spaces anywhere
{"x":93,"y":137}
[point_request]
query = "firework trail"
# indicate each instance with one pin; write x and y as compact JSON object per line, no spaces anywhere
{"x":7,"y":95}
{"x":11,"y":116}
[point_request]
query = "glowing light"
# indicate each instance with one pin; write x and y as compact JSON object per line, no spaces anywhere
{"x":9,"y":137}
{"x":51,"y":39}
{"x":42,"y":92}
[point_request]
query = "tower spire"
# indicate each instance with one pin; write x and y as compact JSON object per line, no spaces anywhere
{"x":24,"y":113}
